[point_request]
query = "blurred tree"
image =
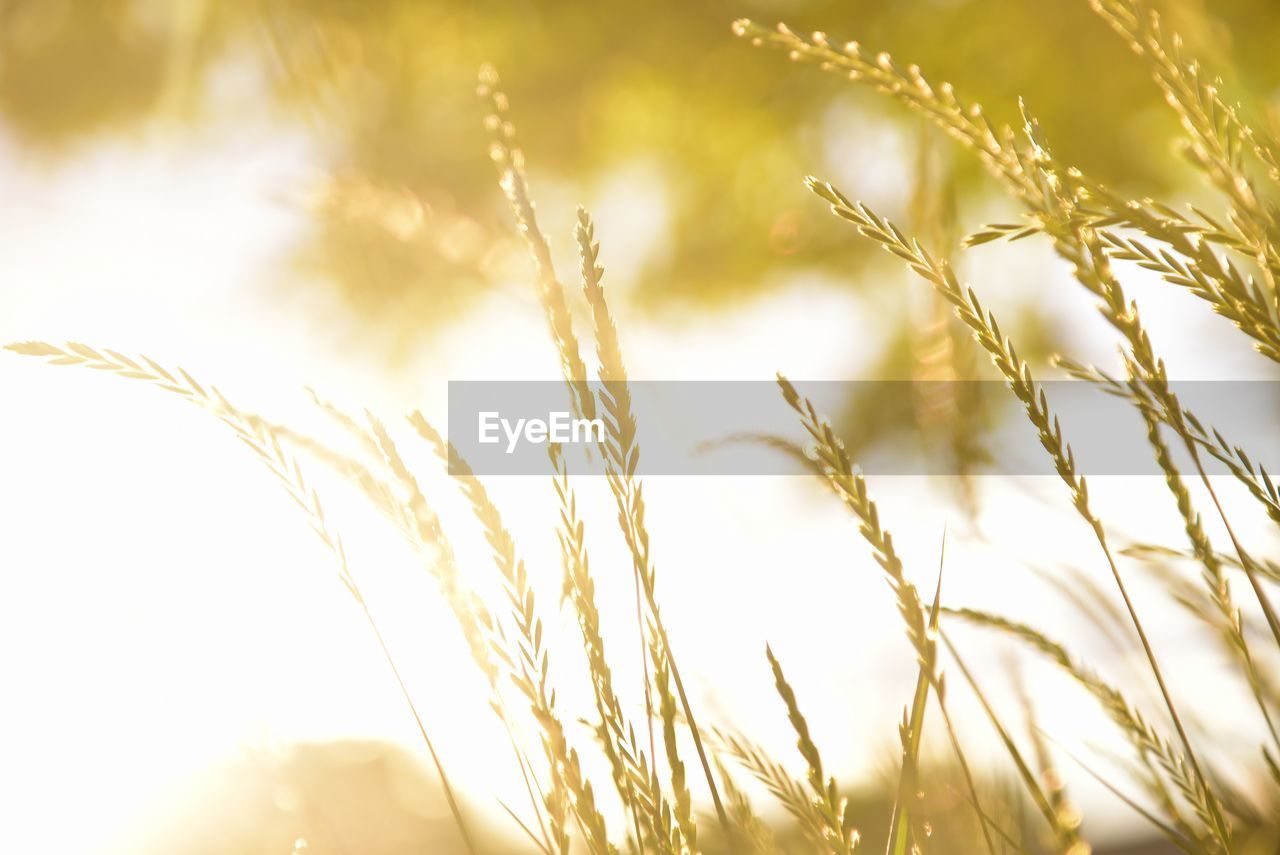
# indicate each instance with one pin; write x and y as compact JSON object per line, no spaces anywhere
{"x":409,"y":224}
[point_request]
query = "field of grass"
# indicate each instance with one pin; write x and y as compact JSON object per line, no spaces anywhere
{"x":648,"y":767}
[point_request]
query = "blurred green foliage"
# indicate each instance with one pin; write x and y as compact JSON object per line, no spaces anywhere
{"x":410,"y":224}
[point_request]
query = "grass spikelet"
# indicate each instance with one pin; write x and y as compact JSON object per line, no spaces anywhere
{"x":622,"y":456}
{"x":1085,"y":249}
{"x":961,"y":120}
{"x":267,"y":446}
{"x":509,"y":160}
{"x":254,"y":432}
{"x":753,"y":833}
{"x":479,"y":629}
{"x":851,"y":488}
{"x":902,"y":823}
{"x":682,"y":801}
{"x":1052,"y":193}
{"x":910,"y":734}
{"x":1021,"y":382}
{"x":1143,"y":736}
{"x":1064,"y":828}
{"x":639,"y":790}
{"x":1231,"y":621}
{"x":1191,"y":262}
{"x":826,"y":793}
{"x":1217,"y":134}
{"x":770,"y":774}
{"x":368,"y":444}
{"x":1151,"y":551}
{"x":471,"y":613}
{"x":1255,"y":478}
{"x":985,"y":329}
{"x":621,"y":453}
{"x":1185,"y":844}
{"x":531,"y":665}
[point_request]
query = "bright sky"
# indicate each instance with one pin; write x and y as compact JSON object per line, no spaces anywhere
{"x":166,"y":607}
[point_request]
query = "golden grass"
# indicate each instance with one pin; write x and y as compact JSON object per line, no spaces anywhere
{"x":1231,"y":262}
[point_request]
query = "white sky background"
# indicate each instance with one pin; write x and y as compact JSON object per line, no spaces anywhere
{"x":165,"y":606}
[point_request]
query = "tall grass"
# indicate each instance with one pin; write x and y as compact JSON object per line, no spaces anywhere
{"x":649,"y":799}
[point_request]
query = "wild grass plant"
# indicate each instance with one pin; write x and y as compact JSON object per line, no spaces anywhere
{"x":676,"y":780}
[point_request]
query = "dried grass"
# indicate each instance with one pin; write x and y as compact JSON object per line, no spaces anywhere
{"x":1230,"y":261}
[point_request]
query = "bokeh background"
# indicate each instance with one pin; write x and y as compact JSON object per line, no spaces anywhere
{"x":287,"y":193}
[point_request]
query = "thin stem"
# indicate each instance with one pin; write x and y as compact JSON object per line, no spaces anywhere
{"x":1246,"y":562}
{"x":454,"y":807}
